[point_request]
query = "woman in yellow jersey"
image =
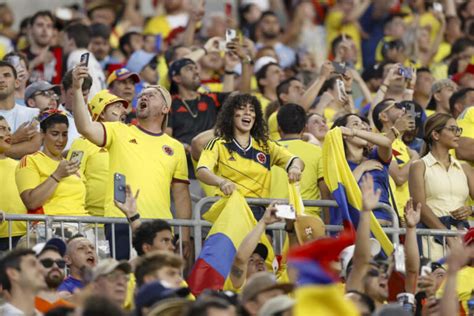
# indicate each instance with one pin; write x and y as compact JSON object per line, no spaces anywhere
{"x":48,"y":183}
{"x":242,"y":154}
{"x":441,"y":183}
{"x":10,"y":201}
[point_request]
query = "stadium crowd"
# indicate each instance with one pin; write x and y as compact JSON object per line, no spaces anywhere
{"x":107,"y":112}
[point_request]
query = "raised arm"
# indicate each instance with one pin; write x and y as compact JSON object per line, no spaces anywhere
{"x":238,"y":271}
{"x":129,"y":208}
{"x":449,"y":304}
{"x":313,"y":90}
{"x":91,"y":130}
{"x":361,"y":258}
{"x":412,"y":256}
{"x":384,"y":144}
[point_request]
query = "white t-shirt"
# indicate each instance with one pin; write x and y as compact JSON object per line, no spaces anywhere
{"x":178,"y":20}
{"x":95,"y":70}
{"x":10,"y":310}
{"x":72,"y":133}
{"x":19,"y":115}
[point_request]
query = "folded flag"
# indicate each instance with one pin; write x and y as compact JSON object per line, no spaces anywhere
{"x":232,"y":221}
{"x":318,"y":292}
{"x":344,"y":188}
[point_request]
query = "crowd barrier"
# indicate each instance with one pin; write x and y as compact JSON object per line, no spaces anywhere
{"x":196,"y":223}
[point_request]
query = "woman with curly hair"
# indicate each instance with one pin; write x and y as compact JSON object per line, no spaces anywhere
{"x":241,"y":155}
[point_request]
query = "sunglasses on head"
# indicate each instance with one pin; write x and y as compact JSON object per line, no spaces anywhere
{"x":48,"y":263}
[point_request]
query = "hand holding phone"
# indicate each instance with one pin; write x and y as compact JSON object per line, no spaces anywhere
{"x":285,"y":211}
{"x":76,"y":156}
{"x":119,"y":187}
{"x":85,"y":59}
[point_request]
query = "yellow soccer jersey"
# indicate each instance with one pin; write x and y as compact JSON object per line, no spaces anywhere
{"x":264,"y":102}
{"x":10,"y":200}
{"x":248,"y":168}
{"x":69,"y":196}
{"x":94,"y":172}
{"x":273,"y":126}
{"x":466,"y":122}
{"x":150,"y":162}
{"x":313,"y":171}
{"x":401,"y":193}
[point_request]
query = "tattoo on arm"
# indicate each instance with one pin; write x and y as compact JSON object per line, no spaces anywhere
{"x":236,"y":271}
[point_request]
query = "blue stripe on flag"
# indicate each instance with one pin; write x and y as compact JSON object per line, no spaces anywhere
{"x":221,"y":260}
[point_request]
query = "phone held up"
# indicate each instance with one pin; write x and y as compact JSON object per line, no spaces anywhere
{"x":85,"y":59}
{"x":119,"y":187}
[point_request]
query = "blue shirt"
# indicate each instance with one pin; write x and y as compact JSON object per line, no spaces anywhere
{"x":380,"y":182}
{"x":374,"y":28}
{"x":70,"y":284}
{"x":286,"y":55}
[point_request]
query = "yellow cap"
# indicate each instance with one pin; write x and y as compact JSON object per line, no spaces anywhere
{"x":101,"y":100}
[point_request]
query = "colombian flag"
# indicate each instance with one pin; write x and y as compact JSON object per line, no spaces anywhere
{"x":318,"y":292}
{"x":232,"y":221}
{"x":344,"y":188}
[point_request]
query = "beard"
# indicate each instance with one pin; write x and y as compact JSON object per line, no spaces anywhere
{"x":270,"y":35}
{"x":54,"y":280}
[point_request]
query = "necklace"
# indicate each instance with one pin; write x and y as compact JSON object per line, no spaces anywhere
{"x":194,"y":115}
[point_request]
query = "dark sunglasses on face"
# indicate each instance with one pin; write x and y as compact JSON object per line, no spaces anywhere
{"x":48,"y":263}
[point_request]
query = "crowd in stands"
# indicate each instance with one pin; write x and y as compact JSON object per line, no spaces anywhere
{"x":109,"y":112}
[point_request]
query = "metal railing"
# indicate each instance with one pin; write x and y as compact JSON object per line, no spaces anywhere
{"x":83,"y":223}
{"x":198,"y":211}
{"x":197,"y":223}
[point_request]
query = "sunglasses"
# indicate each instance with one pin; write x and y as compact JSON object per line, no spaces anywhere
{"x":46,"y":114}
{"x":48,"y":94}
{"x":48,"y":263}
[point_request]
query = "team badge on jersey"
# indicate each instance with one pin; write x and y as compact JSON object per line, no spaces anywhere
{"x":261,"y":158}
{"x":168,"y":150}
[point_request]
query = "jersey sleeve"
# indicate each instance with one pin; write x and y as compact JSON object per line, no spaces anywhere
{"x":181,"y":171}
{"x":110,"y":132}
{"x":27,"y":175}
{"x":209,"y":156}
{"x":280,"y":156}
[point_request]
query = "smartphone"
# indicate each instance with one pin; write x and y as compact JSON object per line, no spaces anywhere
{"x":85,"y":59}
{"x":399,"y":257}
{"x":76,"y":156}
{"x":230,"y":34}
{"x":119,"y":187}
{"x":341,"y":90}
{"x":339,"y":68}
{"x":438,"y":7}
{"x":426,"y":269}
{"x":405,"y":72}
{"x":285,"y":211}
